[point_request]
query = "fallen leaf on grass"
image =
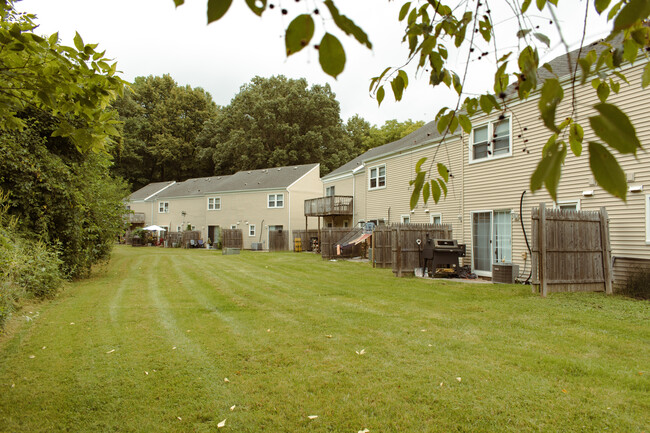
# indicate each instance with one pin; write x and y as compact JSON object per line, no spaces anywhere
{"x":13,"y":385}
{"x":565,"y":391}
{"x":268,"y":330}
{"x":32,"y":356}
{"x":459,"y":379}
{"x":174,"y":348}
{"x":179,"y":418}
{"x":365,"y":430}
{"x":312,"y":416}
{"x":44,"y":347}
{"x":225,"y":379}
{"x":423,"y":330}
{"x":72,"y":323}
{"x":441,"y":383}
{"x":430,"y":345}
{"x":147,"y":373}
{"x":222,"y":424}
{"x":111,"y":351}
{"x":329,"y":336}
{"x":363,"y":351}
{"x":233,"y":407}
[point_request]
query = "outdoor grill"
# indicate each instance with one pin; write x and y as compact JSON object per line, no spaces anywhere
{"x":437,"y":253}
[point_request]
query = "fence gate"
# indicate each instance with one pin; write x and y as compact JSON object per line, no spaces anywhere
{"x":278,"y":240}
{"x":232,"y":238}
{"x":571,"y":251}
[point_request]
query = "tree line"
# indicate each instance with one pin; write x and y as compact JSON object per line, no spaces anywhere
{"x":175,"y":132}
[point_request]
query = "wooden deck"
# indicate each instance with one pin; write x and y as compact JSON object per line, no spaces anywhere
{"x":329,"y":206}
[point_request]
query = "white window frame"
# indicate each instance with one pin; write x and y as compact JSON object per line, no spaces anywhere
{"x":273,"y":204}
{"x":330,"y":191}
{"x":179,"y":228}
{"x":251,"y":230}
{"x":490,"y":140}
{"x":434,"y":215}
{"x":404,"y":218}
{"x":233,"y":226}
{"x":377,"y":177}
{"x":559,"y":204}
{"x":214,"y":203}
{"x":647,"y":219}
{"x":163,"y":207}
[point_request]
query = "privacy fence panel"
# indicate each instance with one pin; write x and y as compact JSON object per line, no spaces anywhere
{"x":571,"y":251}
{"x":305,"y":238}
{"x":396,"y":245}
{"x":232,"y":238}
{"x":329,"y":240}
{"x":278,"y":240}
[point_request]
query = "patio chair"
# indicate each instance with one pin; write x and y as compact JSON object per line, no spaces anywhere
{"x":192,"y":243}
{"x":199,"y":243}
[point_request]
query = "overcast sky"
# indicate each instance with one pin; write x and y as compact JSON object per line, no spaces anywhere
{"x":152,"y":37}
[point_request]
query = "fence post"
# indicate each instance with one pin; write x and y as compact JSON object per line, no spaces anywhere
{"x":542,"y":249}
{"x":374,"y":250}
{"x":398,"y":254}
{"x":607,"y":263}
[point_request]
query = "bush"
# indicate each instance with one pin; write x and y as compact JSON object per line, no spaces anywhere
{"x":638,"y":284}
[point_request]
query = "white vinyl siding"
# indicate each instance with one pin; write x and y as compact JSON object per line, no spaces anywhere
{"x":214,"y":203}
{"x":276,"y":200}
{"x":163,"y":207}
{"x":377,"y":177}
{"x":491,"y":140}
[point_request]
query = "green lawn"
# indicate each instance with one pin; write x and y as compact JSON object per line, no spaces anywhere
{"x":147,"y":343}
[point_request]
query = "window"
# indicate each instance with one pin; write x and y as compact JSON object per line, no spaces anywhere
{"x":163,"y":207}
{"x":276,"y":200}
{"x":233,"y":226}
{"x":276,"y":228}
{"x":346,"y":223}
{"x":251,"y":230}
{"x":214,"y":203}
{"x":377,"y":177}
{"x":491,"y":141}
{"x":647,"y":218}
{"x":329,"y":191}
{"x":435,"y":218}
{"x":406,"y":219}
{"x":179,"y":229}
{"x":568,"y":205}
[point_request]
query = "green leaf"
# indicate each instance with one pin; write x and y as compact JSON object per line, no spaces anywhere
{"x":576,"y":135}
{"x":541,"y":4}
{"x":601,"y":5}
{"x":443,"y":123}
{"x":523,"y":32}
{"x":465,"y":123}
{"x":380,"y":95}
{"x":253,"y":6}
{"x":217,"y":9}
{"x":331,"y":55}
{"x":404,"y":10}
{"x":443,"y":186}
{"x":299,"y":33}
{"x":485,"y":103}
{"x":606,"y":170}
{"x":426,"y":192}
{"x":645,"y":79}
{"x":551,"y":96}
{"x":634,"y":10}
{"x":435,"y":191}
{"x":179,"y":2}
{"x":603,"y":91}
{"x":397,"y":84}
{"x":418,"y":165}
{"x":418,"y":183}
{"x":78,"y":42}
{"x":402,"y":73}
{"x":347,"y":25}
{"x":549,"y":168}
{"x":543,"y":39}
{"x":630,"y":50}
{"x":525,"y":5}
{"x":614,"y":127}
{"x":54,"y":38}
{"x":443,"y":171}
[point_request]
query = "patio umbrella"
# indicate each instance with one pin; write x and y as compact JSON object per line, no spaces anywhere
{"x":154,"y":228}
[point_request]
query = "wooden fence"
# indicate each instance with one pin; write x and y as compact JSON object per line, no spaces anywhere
{"x":305,"y":238}
{"x":329,"y":238}
{"x":396,"y":245}
{"x":571,"y":251}
{"x":278,"y":240}
{"x":232,"y":238}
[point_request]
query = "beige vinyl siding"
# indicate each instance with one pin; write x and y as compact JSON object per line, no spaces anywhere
{"x":498,"y":184}
{"x":394,"y":200}
{"x":354,"y":185}
{"x":144,"y":207}
{"x":343,"y":186}
{"x":308,"y":187}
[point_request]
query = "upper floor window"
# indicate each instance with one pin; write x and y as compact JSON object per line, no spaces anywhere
{"x":276,"y":200}
{"x":329,"y":191}
{"x":377,"y":177}
{"x":214,"y":203}
{"x":491,"y":141}
{"x":163,"y":207}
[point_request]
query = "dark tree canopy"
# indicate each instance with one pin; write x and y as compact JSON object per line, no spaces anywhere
{"x":275,"y":122}
{"x":162,"y":121}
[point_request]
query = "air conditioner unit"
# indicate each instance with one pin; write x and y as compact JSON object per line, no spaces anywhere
{"x":257,"y":246}
{"x":504,"y":273}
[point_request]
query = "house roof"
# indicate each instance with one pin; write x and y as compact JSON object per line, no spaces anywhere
{"x":267,"y":178}
{"x":149,"y":190}
{"x":429,"y":132}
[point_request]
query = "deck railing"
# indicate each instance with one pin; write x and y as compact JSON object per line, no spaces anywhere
{"x":329,"y":206}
